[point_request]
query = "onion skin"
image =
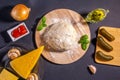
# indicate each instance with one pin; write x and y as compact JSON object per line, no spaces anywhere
{"x":20,"y":12}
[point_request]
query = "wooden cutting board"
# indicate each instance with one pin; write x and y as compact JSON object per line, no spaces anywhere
{"x":80,"y":26}
{"x":115,"y":44}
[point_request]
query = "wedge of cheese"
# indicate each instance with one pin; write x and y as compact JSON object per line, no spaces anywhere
{"x":6,"y":75}
{"x":23,"y":65}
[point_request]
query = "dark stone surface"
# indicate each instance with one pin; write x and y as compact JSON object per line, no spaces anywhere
{"x":49,"y":71}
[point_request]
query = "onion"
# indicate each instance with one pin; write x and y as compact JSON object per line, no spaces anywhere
{"x":20,"y":12}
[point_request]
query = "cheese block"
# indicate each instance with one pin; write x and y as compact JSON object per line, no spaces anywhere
{"x":6,"y":75}
{"x":23,"y":65}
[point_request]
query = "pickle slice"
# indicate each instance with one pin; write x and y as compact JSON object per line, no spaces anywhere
{"x":101,"y":56}
{"x":106,"y":34}
{"x":96,"y":15}
{"x":104,"y":45}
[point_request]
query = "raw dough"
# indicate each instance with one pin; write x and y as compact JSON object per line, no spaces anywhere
{"x":61,"y":36}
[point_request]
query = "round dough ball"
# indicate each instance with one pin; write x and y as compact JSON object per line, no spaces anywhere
{"x":61,"y":36}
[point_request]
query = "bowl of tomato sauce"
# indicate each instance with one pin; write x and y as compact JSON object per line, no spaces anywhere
{"x":18,"y":31}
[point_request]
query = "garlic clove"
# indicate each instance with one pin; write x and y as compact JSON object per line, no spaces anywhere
{"x":92,"y":69}
{"x":32,"y":76}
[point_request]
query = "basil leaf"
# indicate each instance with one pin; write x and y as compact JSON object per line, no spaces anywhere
{"x":42,"y":24}
{"x":84,"y":37}
{"x":84,"y":41}
{"x":43,"y":19}
{"x":40,"y":27}
{"x":84,"y":46}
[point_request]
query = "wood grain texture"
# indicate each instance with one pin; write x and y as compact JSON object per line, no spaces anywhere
{"x":115,"y":44}
{"x":80,"y":26}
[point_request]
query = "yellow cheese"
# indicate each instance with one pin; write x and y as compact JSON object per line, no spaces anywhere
{"x":23,"y":65}
{"x":6,"y":75}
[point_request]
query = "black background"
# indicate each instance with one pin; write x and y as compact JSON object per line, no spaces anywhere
{"x":74,"y":71}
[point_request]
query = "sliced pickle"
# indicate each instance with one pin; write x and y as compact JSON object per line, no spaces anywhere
{"x":104,"y":45}
{"x":106,"y":34}
{"x":101,"y":56}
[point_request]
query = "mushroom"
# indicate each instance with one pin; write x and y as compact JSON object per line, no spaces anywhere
{"x":32,"y":76}
{"x":14,"y":53}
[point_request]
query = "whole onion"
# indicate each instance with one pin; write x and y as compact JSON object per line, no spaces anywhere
{"x":20,"y":12}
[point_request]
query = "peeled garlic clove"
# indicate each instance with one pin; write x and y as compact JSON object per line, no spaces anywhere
{"x":92,"y":69}
{"x":32,"y":76}
{"x":14,"y":53}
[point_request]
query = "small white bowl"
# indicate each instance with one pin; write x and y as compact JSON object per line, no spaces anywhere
{"x":10,"y":31}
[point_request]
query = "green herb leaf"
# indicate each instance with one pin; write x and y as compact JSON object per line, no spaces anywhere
{"x":43,"y":19}
{"x":42,"y":24}
{"x":40,"y":27}
{"x":84,"y":41}
{"x":84,"y":37}
{"x":84,"y":46}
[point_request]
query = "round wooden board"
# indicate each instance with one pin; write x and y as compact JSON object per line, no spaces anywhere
{"x":80,"y":26}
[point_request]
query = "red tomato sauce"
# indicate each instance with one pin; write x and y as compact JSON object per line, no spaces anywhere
{"x":19,"y":31}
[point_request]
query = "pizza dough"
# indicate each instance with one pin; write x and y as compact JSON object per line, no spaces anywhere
{"x":61,"y":36}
